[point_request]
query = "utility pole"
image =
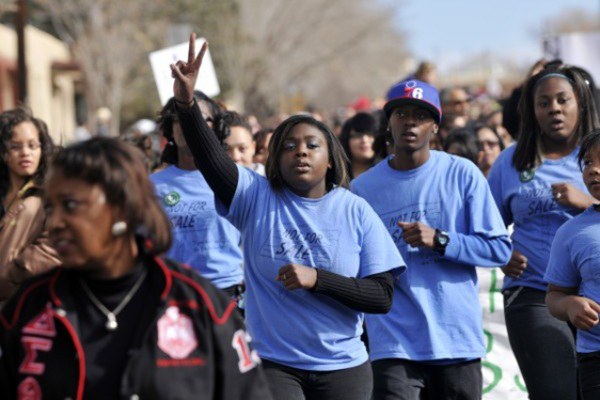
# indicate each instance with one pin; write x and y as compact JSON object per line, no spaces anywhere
{"x":20,"y":24}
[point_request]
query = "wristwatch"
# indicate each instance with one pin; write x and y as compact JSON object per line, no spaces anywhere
{"x":440,"y":241}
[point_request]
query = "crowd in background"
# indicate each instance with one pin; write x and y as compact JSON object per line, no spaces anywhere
{"x":475,"y":126}
{"x":183,"y":154}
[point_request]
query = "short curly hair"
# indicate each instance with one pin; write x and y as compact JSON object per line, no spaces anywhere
{"x":118,"y":168}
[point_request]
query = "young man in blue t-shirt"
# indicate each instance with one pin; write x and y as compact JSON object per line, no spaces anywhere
{"x":443,"y":219}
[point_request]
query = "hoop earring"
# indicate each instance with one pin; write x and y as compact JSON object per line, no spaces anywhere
{"x":119,"y":228}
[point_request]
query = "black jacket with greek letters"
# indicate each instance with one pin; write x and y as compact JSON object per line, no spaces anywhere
{"x":196,"y":348}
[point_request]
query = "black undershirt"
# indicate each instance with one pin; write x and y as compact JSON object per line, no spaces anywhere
{"x":107,"y":352}
{"x":372,"y":294}
{"x":210,"y":158}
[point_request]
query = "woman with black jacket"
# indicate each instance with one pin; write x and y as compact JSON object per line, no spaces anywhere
{"x":116,"y":321}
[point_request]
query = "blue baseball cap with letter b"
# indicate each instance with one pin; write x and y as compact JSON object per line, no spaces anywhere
{"x":415,"y":92}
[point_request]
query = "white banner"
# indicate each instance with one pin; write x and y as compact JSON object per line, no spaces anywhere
{"x":501,"y":376}
{"x":162,"y":59}
{"x":581,"y":49}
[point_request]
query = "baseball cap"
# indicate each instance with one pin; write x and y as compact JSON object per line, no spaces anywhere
{"x":415,"y":92}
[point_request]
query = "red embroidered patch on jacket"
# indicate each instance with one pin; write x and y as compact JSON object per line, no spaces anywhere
{"x":43,"y":324}
{"x":176,"y":336}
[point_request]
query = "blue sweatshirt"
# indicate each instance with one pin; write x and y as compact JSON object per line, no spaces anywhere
{"x":436,"y":313}
{"x":201,"y":237}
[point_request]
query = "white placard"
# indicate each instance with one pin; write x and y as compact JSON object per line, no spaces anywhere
{"x":501,"y":376}
{"x":581,"y":48}
{"x":161,"y":59}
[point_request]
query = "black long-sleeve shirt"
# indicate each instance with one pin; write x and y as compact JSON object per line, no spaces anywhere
{"x":372,"y":294}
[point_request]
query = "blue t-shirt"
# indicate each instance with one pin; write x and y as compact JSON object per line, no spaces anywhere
{"x":436,"y":313}
{"x":525,"y":199}
{"x":338,"y":232}
{"x":201,"y":238}
{"x":575,"y":262}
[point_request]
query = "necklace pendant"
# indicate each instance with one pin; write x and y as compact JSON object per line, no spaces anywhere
{"x":111,"y":323}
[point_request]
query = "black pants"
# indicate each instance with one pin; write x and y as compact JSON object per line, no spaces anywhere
{"x":235,"y":291}
{"x":543,"y":346}
{"x":589,"y":375}
{"x":397,"y":379}
{"x":288,"y":383}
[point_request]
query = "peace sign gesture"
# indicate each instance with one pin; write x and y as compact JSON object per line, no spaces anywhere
{"x":186,"y":73}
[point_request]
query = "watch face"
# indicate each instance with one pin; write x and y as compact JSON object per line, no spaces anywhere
{"x":442,"y":238}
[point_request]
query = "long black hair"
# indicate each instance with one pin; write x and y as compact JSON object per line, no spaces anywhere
{"x":8,"y":121}
{"x":528,"y":149}
{"x":337,"y":175}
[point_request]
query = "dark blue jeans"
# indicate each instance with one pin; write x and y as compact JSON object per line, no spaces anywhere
{"x":543,"y":345}
{"x":589,"y":375}
{"x":287,"y":383}
{"x":397,"y":379}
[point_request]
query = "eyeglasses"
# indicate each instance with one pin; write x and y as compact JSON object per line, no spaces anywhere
{"x":489,"y":143}
{"x":18,"y":147}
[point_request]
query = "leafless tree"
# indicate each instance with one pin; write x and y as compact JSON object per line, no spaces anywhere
{"x":108,"y":39}
{"x":7,"y":6}
{"x":572,"y":20}
{"x":326,"y":50}
{"x":265,"y":51}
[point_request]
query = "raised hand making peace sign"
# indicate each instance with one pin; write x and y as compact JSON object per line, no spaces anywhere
{"x":186,"y":73}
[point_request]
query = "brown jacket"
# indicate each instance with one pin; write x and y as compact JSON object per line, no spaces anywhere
{"x":24,"y":247}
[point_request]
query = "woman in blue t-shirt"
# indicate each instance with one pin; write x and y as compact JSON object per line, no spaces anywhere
{"x":316,"y":256}
{"x":537,"y":186}
{"x":201,"y":237}
{"x":574,"y":271}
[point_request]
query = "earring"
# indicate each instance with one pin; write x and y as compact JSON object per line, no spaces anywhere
{"x":119,"y":228}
